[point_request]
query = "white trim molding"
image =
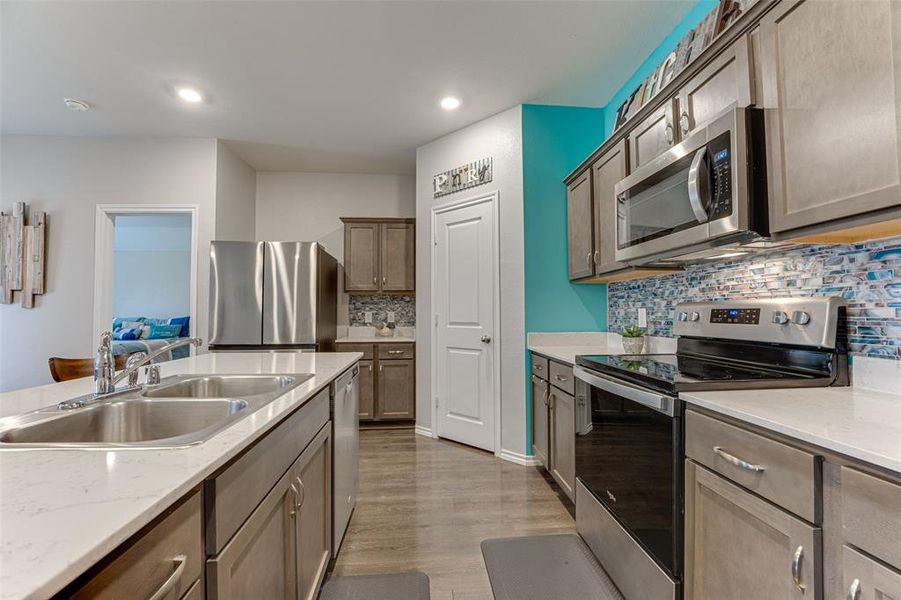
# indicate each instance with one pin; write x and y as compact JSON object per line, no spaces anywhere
{"x":519,"y":459}
{"x":423,"y":431}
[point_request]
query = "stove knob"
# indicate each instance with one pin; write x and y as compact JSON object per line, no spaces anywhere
{"x":779,"y":317}
{"x":799,"y":317}
{"x":694,"y":316}
{"x":683,"y":316}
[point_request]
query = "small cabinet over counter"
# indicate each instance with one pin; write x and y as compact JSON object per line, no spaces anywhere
{"x":379,"y":255}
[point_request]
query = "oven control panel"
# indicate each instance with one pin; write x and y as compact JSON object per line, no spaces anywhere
{"x":740,"y":316}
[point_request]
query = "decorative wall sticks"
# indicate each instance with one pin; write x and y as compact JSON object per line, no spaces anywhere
{"x":22,"y":257}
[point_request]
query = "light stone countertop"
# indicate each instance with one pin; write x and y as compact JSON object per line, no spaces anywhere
{"x":857,"y":422}
{"x":376,"y":340}
{"x":366,"y":335}
{"x":61,"y":510}
{"x":565,"y":347}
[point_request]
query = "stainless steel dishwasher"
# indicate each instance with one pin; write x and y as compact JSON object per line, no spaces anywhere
{"x":345,"y":452}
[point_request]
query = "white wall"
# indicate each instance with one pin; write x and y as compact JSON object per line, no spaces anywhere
{"x":152,"y":266}
{"x":67,"y":177}
{"x":499,"y":137}
{"x":235,"y":196}
{"x":308,"y":207}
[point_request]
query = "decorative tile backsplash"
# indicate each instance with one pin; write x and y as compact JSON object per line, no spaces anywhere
{"x":867,"y":275}
{"x":404,"y":308}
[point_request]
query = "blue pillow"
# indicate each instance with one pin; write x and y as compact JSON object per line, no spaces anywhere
{"x":158,"y":332}
{"x":184,"y":322}
{"x":118,"y":321}
{"x":127,"y":334}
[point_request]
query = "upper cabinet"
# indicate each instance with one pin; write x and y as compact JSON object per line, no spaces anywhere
{"x":379,"y":255}
{"x":830,"y":72}
{"x":725,"y":81}
{"x":607,"y":171}
{"x":653,"y":136}
{"x":579,"y":219}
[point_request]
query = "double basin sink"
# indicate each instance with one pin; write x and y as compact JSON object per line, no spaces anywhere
{"x":180,"y":411}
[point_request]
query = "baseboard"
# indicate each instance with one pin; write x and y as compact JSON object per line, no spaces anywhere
{"x":420,"y":430}
{"x":520,"y":459}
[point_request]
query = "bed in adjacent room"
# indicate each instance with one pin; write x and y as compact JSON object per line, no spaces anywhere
{"x":144,"y":334}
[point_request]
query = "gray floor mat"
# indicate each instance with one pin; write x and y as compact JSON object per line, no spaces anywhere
{"x":546,"y":567}
{"x":393,"y":586}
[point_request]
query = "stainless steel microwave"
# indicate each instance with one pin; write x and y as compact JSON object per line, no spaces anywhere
{"x":705,"y":193}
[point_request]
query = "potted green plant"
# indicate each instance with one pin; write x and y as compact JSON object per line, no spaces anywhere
{"x":633,"y":339}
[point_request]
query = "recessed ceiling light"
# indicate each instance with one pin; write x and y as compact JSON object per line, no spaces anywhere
{"x":76,"y":105}
{"x":450,"y":103}
{"x":189,"y":95}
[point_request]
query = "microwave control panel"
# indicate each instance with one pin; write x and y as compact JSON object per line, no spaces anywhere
{"x":720,"y":155}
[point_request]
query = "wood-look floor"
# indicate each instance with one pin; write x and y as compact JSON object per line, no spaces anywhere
{"x":427,"y":504}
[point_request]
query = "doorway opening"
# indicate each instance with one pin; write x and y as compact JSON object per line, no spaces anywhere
{"x":145,"y":276}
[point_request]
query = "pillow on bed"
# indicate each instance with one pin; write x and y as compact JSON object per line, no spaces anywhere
{"x":127,"y":333}
{"x":158,"y":332}
{"x":184,"y":322}
{"x":120,"y":322}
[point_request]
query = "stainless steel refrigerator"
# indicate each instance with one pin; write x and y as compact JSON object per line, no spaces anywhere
{"x":272,"y":295}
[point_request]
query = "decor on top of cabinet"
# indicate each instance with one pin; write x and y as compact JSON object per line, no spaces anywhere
{"x":690,"y":47}
{"x":22,"y":257}
{"x":633,"y":339}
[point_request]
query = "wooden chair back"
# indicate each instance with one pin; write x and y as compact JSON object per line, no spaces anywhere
{"x":64,"y":369}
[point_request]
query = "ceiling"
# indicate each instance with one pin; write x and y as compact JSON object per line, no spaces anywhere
{"x":313,"y":86}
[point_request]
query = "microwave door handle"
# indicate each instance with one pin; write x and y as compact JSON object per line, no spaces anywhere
{"x":694,"y":185}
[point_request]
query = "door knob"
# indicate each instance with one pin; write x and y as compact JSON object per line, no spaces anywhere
{"x":486,"y":339}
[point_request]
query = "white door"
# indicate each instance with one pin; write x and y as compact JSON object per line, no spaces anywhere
{"x":465,"y":297}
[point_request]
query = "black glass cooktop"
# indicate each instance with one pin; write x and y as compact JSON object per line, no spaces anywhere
{"x":677,"y":372}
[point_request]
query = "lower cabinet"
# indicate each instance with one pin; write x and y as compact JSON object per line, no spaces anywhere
{"x":866,"y":579}
{"x":738,"y":545}
{"x":282,"y":550}
{"x":562,"y":416}
{"x":540,"y":415}
{"x":554,"y":421}
{"x":387,"y":380}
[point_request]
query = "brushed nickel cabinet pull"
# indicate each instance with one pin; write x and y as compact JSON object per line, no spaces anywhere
{"x":169,"y":585}
{"x":559,"y":377}
{"x":796,"y":567}
{"x":301,"y":492}
{"x":734,"y":460}
{"x":854,"y":590}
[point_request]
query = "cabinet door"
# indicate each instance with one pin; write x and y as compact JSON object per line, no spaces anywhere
{"x":313,"y":523}
{"x":563,"y":440}
{"x":833,"y":120}
{"x":725,"y":82}
{"x":367,"y":390}
{"x":578,"y":218}
{"x":396,"y":390}
{"x":260,"y":561}
{"x":653,"y":136}
{"x":398,"y":266}
{"x":540,"y":420}
{"x":608,"y":171}
{"x":361,"y":257}
{"x":740,"y":546}
{"x":867,"y":579}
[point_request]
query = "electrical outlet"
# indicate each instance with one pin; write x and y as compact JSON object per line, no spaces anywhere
{"x":391,"y":316}
{"x":367,"y":317}
{"x":642,"y":317}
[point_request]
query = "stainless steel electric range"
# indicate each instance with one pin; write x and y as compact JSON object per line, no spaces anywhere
{"x":629,"y":432}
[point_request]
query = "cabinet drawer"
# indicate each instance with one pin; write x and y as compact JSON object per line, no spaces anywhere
{"x":871,"y":515}
{"x":366,"y":349}
{"x":782,"y":474}
{"x":195,"y":592}
{"x":866,"y":579}
{"x":539,"y":366}
{"x":168,"y":556}
{"x":232,"y":495}
{"x":392,"y":351}
{"x":561,"y":377}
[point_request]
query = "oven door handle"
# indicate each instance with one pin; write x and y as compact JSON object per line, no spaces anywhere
{"x":653,"y":400}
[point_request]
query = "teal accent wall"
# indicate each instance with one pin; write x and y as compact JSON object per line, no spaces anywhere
{"x":555,"y":139}
{"x":669,"y":43}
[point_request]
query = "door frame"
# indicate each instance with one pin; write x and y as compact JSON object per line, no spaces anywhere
{"x":492,"y":197}
{"x":104,"y":246}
